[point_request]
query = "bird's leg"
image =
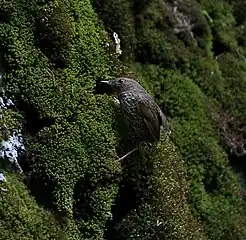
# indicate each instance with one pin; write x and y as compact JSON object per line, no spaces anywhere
{"x":129,"y":153}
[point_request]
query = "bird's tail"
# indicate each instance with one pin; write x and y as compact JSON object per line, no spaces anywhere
{"x":164,"y":123}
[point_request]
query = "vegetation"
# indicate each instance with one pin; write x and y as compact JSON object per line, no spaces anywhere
{"x":190,"y":55}
{"x":21,"y":218}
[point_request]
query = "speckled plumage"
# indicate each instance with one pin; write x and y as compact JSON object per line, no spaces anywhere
{"x":136,"y":126}
{"x":143,"y":116}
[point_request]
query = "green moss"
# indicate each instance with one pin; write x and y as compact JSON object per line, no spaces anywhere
{"x":223,"y":23}
{"x":54,"y":32}
{"x":233,"y":68}
{"x":157,"y":180}
{"x":205,"y":72}
{"x":54,"y":54}
{"x":75,"y":156}
{"x":11,"y":120}
{"x":210,"y":178}
{"x":21,"y":217}
{"x":119,"y":17}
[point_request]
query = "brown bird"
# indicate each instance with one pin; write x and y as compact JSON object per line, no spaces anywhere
{"x":142,"y":115}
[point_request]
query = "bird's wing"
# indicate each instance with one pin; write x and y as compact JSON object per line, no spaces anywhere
{"x":151,"y":119}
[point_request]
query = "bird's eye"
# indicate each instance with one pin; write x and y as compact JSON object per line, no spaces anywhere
{"x":121,"y":81}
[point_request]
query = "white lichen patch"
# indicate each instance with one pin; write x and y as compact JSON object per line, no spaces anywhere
{"x":2,"y":183}
{"x":2,"y":178}
{"x":12,"y":148}
{"x":117,"y":42}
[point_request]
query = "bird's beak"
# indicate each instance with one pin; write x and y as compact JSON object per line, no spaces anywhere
{"x":104,"y":82}
{"x":104,"y":87}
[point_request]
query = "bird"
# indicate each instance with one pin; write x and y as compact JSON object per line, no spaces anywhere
{"x":142,"y":115}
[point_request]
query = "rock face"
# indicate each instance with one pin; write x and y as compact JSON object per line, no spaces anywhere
{"x":53,"y":54}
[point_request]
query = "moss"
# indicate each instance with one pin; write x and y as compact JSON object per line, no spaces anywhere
{"x":21,"y":217}
{"x":54,"y":54}
{"x":10,"y":120}
{"x":119,"y":17}
{"x":210,"y":178}
{"x":54,"y":32}
{"x":223,"y":23}
{"x":205,"y":89}
{"x":78,"y":146}
{"x":206,"y":73}
{"x":156,"y":179}
{"x":233,"y":69}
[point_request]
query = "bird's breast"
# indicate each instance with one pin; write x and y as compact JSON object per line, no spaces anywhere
{"x":129,"y":103}
{"x":137,"y":127}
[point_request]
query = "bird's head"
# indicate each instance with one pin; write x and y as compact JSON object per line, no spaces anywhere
{"x":120,"y":85}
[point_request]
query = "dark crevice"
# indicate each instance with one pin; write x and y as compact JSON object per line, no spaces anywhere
{"x":133,"y":192}
{"x":239,"y":167}
{"x":6,"y":13}
{"x":41,"y":189}
{"x":82,"y":193}
{"x":238,"y":162}
{"x":83,"y":190}
{"x":32,"y":123}
{"x":218,"y":48}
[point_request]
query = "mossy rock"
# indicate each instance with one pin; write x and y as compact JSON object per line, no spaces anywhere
{"x":54,"y":53}
{"x":155,"y":178}
{"x":21,"y":217}
{"x":210,"y":177}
